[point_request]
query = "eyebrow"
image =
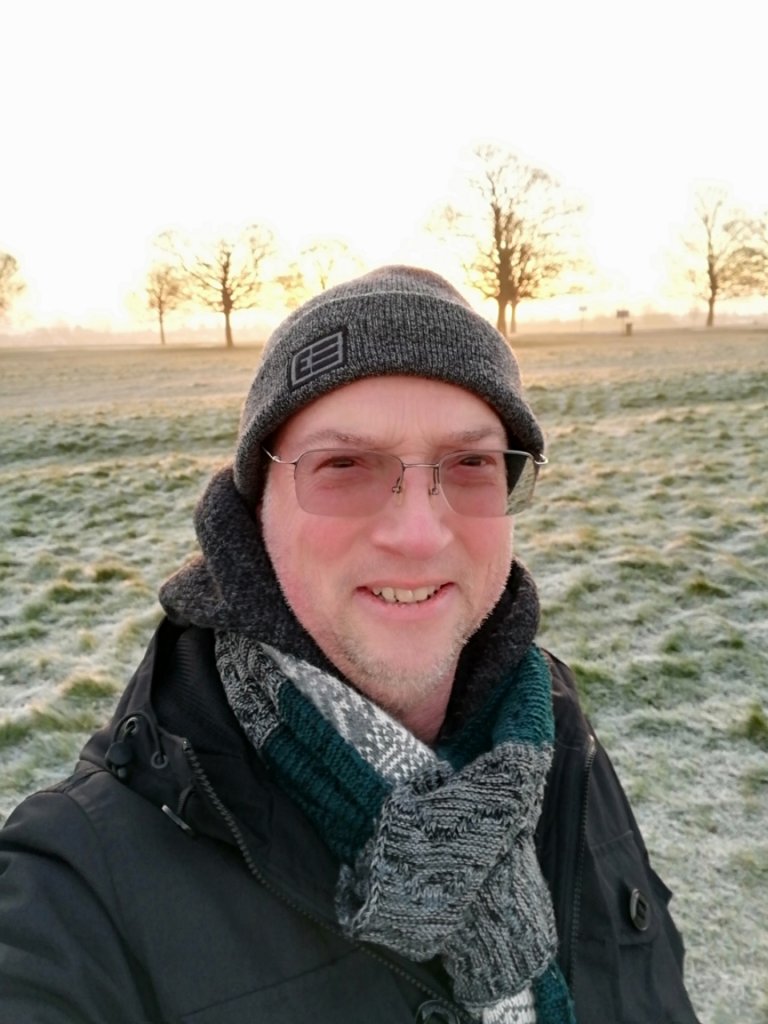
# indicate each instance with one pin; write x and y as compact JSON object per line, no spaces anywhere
{"x":456,"y":439}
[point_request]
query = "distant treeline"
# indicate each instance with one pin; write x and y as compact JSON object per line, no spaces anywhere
{"x":516,"y":235}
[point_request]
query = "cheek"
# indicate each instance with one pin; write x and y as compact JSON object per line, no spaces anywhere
{"x":303,"y":548}
{"x":494,"y":551}
{"x":492,"y":545}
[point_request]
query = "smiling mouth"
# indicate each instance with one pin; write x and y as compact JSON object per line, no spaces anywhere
{"x":394,"y":595}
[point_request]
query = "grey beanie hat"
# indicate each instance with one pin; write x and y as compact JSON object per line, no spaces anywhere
{"x":394,"y":320}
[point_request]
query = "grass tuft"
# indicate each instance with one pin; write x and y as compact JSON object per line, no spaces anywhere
{"x":733,"y":641}
{"x":754,"y":781}
{"x":19,"y":530}
{"x":107,"y":572}
{"x":88,"y":688}
{"x":680,"y":668}
{"x":23,"y":634}
{"x":13,"y":731}
{"x":674,"y":641}
{"x":57,"y":718}
{"x":700,"y":586}
{"x":754,"y":726}
{"x":87,"y":642}
{"x":593,"y":683}
{"x":64,"y":592}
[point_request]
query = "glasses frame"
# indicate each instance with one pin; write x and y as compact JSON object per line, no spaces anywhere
{"x":537,"y":460}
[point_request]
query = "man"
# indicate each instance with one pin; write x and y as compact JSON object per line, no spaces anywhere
{"x":344,"y":784}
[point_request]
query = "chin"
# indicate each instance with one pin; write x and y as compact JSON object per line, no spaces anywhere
{"x":397,"y":684}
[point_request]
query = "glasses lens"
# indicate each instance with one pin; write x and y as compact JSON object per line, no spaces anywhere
{"x":488,"y":484}
{"x":337,"y":482}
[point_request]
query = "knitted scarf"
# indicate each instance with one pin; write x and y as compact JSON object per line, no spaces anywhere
{"x":435,"y":846}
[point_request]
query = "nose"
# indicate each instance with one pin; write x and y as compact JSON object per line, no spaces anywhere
{"x":413,"y":523}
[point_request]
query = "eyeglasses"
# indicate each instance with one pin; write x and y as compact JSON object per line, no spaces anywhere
{"x":345,"y":482}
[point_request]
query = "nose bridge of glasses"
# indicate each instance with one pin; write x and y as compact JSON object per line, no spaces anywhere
{"x":434,"y":466}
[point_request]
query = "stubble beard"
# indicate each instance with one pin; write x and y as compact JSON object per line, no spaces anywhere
{"x":394,"y":688}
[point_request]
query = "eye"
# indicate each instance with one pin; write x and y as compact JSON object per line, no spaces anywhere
{"x":475,"y":460}
{"x":472,"y":469}
{"x":332,"y":461}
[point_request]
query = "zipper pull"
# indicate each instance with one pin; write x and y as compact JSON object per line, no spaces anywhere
{"x":178,"y":821}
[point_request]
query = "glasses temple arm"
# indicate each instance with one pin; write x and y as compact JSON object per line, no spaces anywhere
{"x":275,"y":458}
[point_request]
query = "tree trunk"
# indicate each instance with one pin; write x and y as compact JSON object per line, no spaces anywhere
{"x":162,"y":328}
{"x":711,"y":311}
{"x":501,"y":319}
{"x":513,"y":317}
{"x":228,"y":330}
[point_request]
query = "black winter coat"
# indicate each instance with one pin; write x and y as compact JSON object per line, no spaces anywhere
{"x":171,"y":879}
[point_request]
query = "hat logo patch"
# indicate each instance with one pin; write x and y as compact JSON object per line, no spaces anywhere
{"x":318,"y":358}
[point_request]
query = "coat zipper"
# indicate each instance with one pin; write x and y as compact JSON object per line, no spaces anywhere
{"x":575,"y":918}
{"x":242,"y":846}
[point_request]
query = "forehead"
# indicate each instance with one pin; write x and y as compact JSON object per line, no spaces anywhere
{"x":386,"y":411}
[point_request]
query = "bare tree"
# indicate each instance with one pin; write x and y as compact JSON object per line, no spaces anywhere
{"x":520,"y":233}
{"x":330,"y":261}
{"x":294,"y":285}
{"x":321,"y":263}
{"x":720,"y":256}
{"x":11,"y":284}
{"x":762,"y":253}
{"x":226,"y":275}
{"x":163,"y":292}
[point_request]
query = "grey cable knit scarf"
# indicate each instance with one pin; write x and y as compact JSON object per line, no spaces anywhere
{"x":436,"y":847}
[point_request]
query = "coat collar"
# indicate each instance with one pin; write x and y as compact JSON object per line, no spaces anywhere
{"x":179,"y":746}
{"x":175,"y":694}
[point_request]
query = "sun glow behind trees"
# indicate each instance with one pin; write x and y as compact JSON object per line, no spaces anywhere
{"x":101,"y":157}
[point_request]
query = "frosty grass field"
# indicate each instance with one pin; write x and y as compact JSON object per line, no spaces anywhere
{"x":648,"y":538}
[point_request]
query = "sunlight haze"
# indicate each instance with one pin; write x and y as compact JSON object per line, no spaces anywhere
{"x":122,"y":120}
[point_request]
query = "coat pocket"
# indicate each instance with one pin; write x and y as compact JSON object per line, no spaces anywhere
{"x":631,"y":897}
{"x":628,"y":969}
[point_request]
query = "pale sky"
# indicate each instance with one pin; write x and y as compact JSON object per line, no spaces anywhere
{"x":120,"y":119}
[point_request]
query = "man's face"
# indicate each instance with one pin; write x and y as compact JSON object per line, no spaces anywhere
{"x":332,"y":569}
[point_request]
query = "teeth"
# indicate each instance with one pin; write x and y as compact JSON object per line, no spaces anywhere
{"x":393,"y":595}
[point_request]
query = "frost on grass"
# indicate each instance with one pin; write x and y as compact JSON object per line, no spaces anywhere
{"x":102,"y":457}
{"x":649,"y":541}
{"x":648,"y":538}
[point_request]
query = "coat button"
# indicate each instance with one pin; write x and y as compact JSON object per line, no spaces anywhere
{"x":119,"y":756}
{"x":639,"y":910}
{"x":435,"y":1012}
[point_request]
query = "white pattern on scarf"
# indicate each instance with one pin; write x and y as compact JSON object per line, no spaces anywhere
{"x":384,"y":743}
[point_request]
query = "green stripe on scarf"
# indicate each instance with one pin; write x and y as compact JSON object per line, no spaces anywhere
{"x":519,"y":710}
{"x":336,"y":788}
